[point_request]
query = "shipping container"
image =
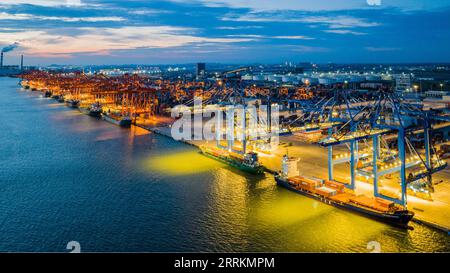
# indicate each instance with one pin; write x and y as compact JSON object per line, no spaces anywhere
{"x":326,"y":192}
{"x":335,"y":185}
{"x":384,"y":203}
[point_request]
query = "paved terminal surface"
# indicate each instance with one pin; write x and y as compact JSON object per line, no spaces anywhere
{"x":313,"y":162}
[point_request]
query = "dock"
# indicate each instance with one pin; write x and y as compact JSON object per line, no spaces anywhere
{"x":315,"y":159}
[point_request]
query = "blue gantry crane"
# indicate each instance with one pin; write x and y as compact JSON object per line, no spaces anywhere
{"x":387,"y":114}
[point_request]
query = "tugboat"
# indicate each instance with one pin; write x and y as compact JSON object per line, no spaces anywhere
{"x":247,"y":163}
{"x":95,"y":110}
{"x":334,"y":194}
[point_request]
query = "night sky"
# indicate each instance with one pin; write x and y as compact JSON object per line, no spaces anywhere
{"x":226,"y":31}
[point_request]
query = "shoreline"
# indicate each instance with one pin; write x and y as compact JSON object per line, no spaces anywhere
{"x":165,"y":131}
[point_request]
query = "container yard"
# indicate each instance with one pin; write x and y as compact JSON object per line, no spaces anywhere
{"x":378,"y":147}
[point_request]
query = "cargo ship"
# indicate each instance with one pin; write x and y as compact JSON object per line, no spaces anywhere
{"x":124,"y":122}
{"x":95,"y":110}
{"x":73,"y":103}
{"x":247,"y":162}
{"x":25,"y":84}
{"x":334,"y":193}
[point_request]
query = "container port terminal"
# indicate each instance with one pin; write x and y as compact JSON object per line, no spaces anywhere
{"x":350,"y":139}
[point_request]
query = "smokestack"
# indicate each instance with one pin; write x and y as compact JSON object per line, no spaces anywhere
{"x":7,"y":49}
{"x":21,"y":62}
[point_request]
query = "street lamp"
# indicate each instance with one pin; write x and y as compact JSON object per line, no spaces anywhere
{"x":442,"y":85}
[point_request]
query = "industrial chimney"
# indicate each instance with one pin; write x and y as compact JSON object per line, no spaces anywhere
{"x":21,"y":62}
{"x":1,"y":61}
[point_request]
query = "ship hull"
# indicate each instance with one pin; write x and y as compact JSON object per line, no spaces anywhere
{"x":125,"y":123}
{"x":95,"y":114}
{"x":395,"y":219}
{"x":87,"y":111}
{"x":72,"y":104}
{"x":83,"y":110}
{"x":248,"y":169}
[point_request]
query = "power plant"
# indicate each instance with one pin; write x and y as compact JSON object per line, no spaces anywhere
{"x":9,"y":70}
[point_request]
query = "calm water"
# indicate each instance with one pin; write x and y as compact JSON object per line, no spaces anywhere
{"x":66,"y":176}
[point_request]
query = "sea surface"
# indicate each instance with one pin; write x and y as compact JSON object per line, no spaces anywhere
{"x":65,"y":176}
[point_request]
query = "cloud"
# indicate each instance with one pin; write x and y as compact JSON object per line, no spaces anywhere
{"x":344,"y":31}
{"x":340,"y":21}
{"x":382,"y":49}
{"x":322,"y":5}
{"x":307,"y":49}
{"x":45,"y":3}
{"x":102,"y":40}
{"x":247,"y":36}
{"x":271,"y":5}
{"x":149,"y":12}
{"x":238,"y":27}
{"x":286,"y":37}
{"x":29,"y":17}
{"x":295,"y":37}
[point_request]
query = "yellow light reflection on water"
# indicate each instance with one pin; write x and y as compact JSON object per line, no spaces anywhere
{"x":65,"y":115}
{"x":304,"y":224}
{"x":287,"y":211}
{"x":138,"y":131}
{"x":180,"y":163}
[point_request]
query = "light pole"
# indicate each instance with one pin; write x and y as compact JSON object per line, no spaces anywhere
{"x":442,"y":85}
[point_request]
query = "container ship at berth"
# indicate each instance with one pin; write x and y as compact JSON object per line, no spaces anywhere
{"x":247,"y":162}
{"x":334,"y":193}
{"x":24,"y":84}
{"x":94,"y":110}
{"x":73,"y":103}
{"x":118,"y":120}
